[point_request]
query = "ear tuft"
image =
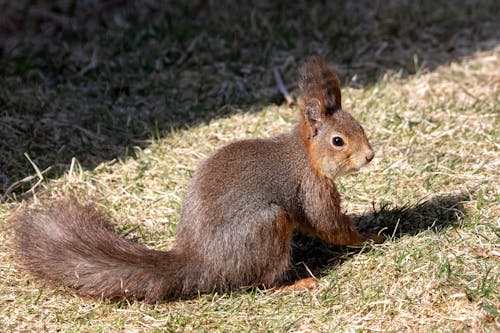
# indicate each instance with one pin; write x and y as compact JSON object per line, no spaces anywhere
{"x":318,"y":80}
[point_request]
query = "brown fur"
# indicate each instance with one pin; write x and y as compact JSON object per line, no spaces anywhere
{"x":241,"y":209}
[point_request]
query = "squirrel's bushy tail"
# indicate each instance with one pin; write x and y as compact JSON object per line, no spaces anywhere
{"x":318,"y":80}
{"x":73,"y":244}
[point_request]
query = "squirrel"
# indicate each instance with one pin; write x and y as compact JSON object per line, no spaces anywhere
{"x":242,"y":207}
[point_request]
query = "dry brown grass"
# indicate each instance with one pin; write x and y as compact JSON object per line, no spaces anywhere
{"x":434,"y":183}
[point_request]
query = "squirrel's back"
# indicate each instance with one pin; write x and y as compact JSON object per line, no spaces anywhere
{"x":232,"y":199}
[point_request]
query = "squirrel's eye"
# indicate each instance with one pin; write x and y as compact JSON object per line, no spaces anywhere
{"x":337,"y":141}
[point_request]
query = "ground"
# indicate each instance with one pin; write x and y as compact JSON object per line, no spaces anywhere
{"x":118,"y":102}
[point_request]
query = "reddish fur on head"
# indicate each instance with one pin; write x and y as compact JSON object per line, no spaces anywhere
{"x":323,"y":119}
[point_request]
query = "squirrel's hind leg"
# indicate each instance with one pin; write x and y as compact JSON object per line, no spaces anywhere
{"x":275,"y":249}
{"x":305,"y":284}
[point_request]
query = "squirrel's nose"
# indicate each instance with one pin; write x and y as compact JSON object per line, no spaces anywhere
{"x":370,"y":156}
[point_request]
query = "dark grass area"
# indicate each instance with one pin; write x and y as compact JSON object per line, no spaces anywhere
{"x":92,"y":79}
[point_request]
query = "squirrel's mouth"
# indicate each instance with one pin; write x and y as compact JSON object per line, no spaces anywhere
{"x":347,"y":169}
{"x":357,"y":165}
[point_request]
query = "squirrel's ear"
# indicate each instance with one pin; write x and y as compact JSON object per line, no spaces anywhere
{"x":313,"y":115}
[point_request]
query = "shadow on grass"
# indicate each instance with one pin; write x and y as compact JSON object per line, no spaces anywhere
{"x":435,"y":214}
{"x":92,"y":80}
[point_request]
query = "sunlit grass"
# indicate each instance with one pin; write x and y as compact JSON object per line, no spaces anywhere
{"x":433,"y":185}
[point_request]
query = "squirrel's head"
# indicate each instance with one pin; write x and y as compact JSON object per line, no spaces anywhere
{"x":335,"y":141}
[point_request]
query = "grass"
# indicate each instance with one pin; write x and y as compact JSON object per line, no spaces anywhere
{"x":168,"y":84}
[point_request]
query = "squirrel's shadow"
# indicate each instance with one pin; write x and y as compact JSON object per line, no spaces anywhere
{"x":311,"y":255}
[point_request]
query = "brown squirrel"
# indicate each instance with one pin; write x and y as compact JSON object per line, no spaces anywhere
{"x":241,"y":209}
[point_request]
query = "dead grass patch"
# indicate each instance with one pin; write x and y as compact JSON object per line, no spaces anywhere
{"x":434,"y":182}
